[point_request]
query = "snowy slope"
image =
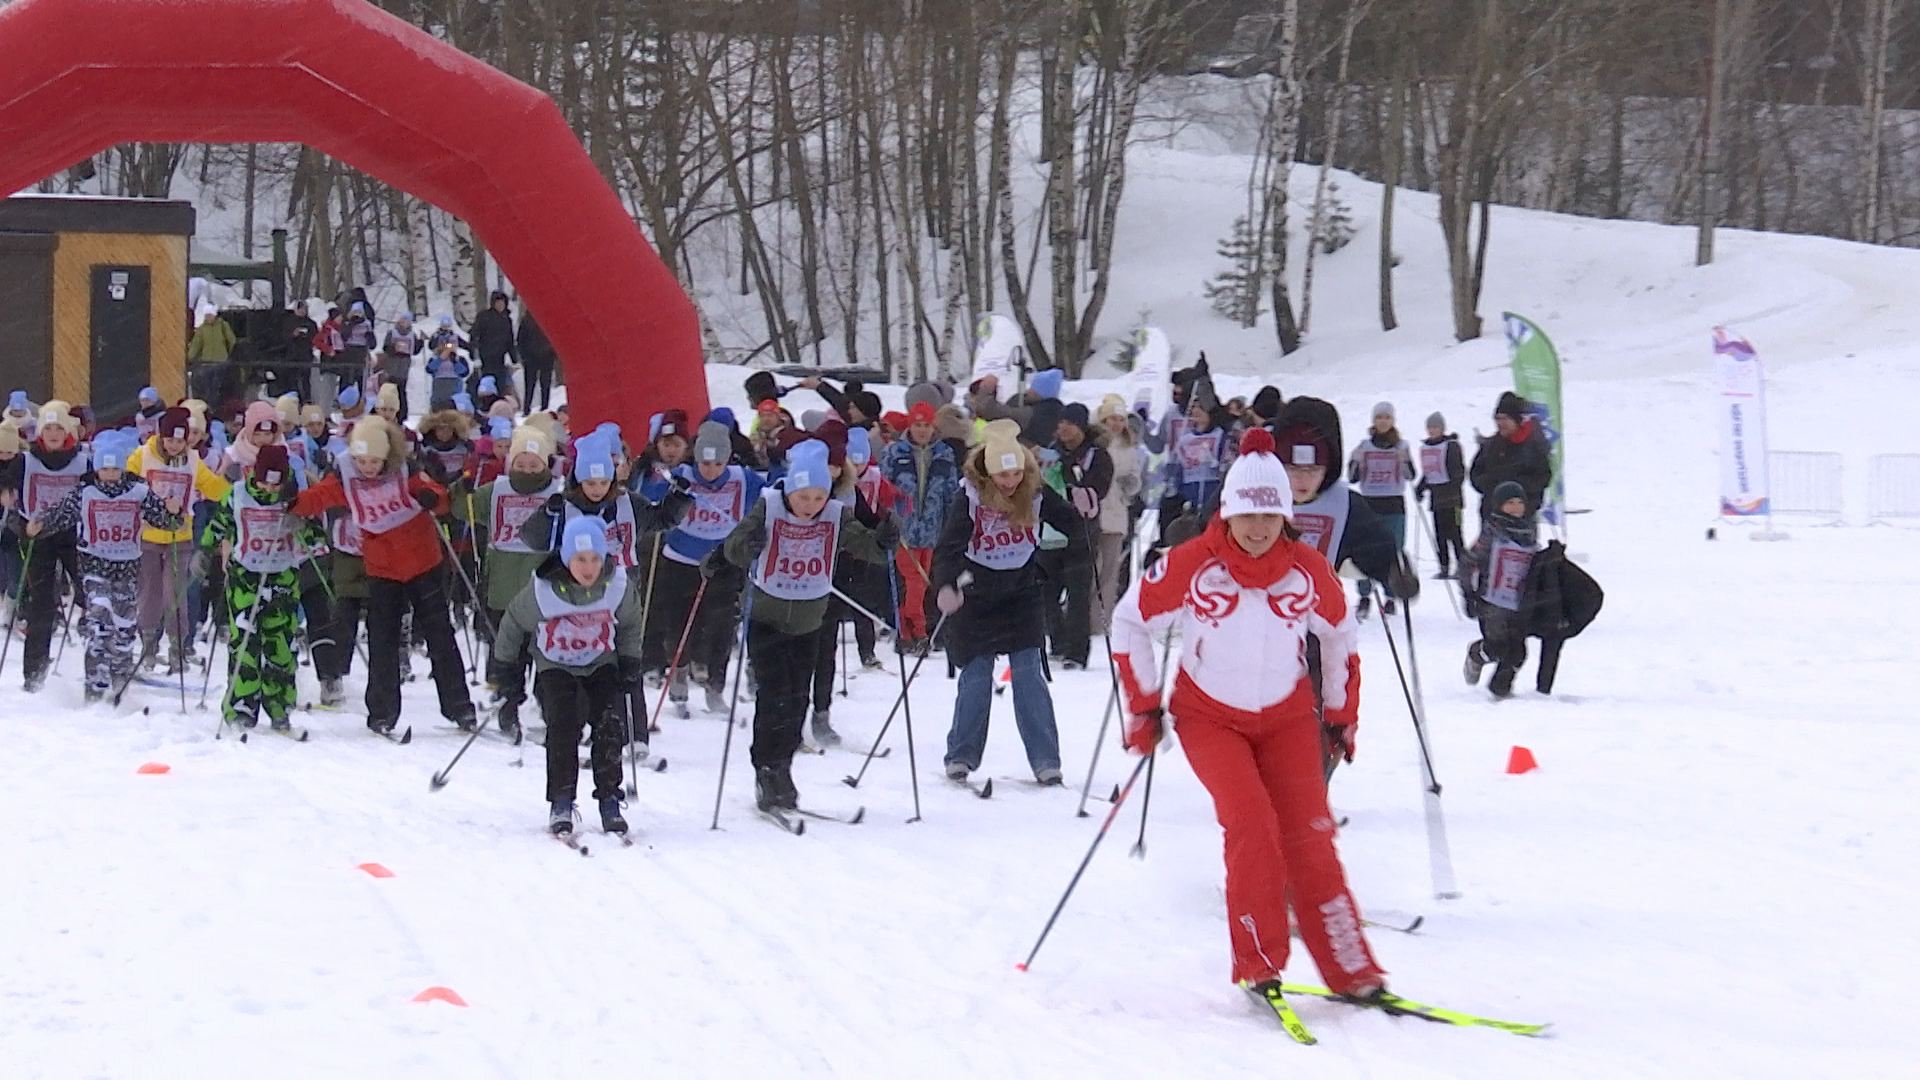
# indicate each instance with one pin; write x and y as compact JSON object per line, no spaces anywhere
{"x":1711,"y":875}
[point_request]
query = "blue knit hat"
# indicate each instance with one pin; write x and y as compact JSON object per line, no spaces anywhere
{"x":584,"y":534}
{"x":724,"y":415}
{"x":807,"y":466}
{"x":859,"y":446}
{"x":110,"y":450}
{"x":488,"y":385}
{"x":149,"y":396}
{"x":349,"y":396}
{"x":463,"y":402}
{"x":500,"y":428}
{"x":446,"y":320}
{"x":1047,"y":383}
{"x":17,"y":401}
{"x":592,"y":458}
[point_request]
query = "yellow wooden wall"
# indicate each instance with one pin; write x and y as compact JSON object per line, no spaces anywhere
{"x":73,"y":261}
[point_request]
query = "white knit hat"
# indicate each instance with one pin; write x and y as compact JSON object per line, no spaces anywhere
{"x":1257,"y":483}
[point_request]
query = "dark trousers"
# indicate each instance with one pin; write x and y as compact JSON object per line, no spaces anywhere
{"x":826,"y":660}
{"x":1549,"y":663}
{"x":783,"y":672}
{"x":571,"y":702}
{"x":1452,"y":545}
{"x":1069,"y":603}
{"x":539,"y":381}
{"x":387,"y":603}
{"x":51,"y":552}
{"x":331,"y":652}
{"x":674,"y":586}
{"x":1503,"y":640}
{"x":337,"y":662}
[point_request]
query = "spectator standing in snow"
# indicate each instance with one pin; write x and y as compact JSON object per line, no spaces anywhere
{"x":1083,"y":473}
{"x":1129,"y":460}
{"x":492,"y":342}
{"x":1443,"y":474}
{"x":926,"y":471}
{"x":397,"y":352}
{"x":537,"y":358}
{"x":1517,"y":452}
{"x":358,"y":346}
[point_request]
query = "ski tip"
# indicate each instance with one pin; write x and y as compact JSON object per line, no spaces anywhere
{"x":1446,"y":896}
{"x":437,"y":782}
{"x":800,"y":828}
{"x":406,"y":736}
{"x":850,"y":781}
{"x":660,"y":765}
{"x":1417,"y":923}
{"x":859,"y":816}
{"x":986,"y":789}
{"x":1115,"y":797}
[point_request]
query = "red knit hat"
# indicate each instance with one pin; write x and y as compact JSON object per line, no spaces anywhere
{"x":834,"y":434}
{"x":175,"y":423}
{"x":270,"y":465}
{"x":898,"y":421}
{"x":921,"y":413}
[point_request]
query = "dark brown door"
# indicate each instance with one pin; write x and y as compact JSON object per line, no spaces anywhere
{"x":26,"y":313}
{"x":122,"y":341}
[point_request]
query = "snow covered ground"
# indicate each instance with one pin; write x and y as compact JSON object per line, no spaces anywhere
{"x":1711,"y":875}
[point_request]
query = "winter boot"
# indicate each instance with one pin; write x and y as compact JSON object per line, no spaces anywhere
{"x":958,"y":770}
{"x":1476,"y":663}
{"x":465,"y":720}
{"x":35,"y":679}
{"x":610,"y":819}
{"x":149,"y":650}
{"x":872,"y":663}
{"x":560,"y":817}
{"x":333,"y":694}
{"x":1366,"y":606}
{"x":656,"y":680}
{"x":1388,"y":607}
{"x":1502,"y":682}
{"x":823,"y":732}
{"x":280,"y":723}
{"x":716,"y":700}
{"x":1050,"y":778}
{"x":96,"y":693}
{"x":773,"y":788}
{"x":380,"y":727}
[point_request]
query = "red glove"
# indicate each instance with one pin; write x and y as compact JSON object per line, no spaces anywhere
{"x":1341,"y":739}
{"x":1144,"y":731}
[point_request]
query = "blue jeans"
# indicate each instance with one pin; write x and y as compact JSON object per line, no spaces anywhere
{"x":1397,"y":525}
{"x":1032,"y":712}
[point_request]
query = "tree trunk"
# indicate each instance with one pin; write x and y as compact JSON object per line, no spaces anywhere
{"x":1709,"y":132}
{"x":1879,"y":26}
{"x":1063,"y":235}
{"x":1396,"y":139}
{"x":1283,"y":121}
{"x":1356,"y":10}
{"x":464,"y":294}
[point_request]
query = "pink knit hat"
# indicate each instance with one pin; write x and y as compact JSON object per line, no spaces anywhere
{"x":261,"y":415}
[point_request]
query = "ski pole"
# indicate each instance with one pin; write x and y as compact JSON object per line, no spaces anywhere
{"x":1452,"y":600}
{"x":646,"y":612}
{"x":913,"y":767}
{"x":666,"y":687}
{"x":19,"y":593}
{"x":1439,"y":854}
{"x":74,"y":596}
{"x":1139,"y":849}
{"x":440,"y":778}
{"x":1113,"y":673}
{"x":726,"y":747}
{"x":966,"y":578}
{"x":1095,"y":846}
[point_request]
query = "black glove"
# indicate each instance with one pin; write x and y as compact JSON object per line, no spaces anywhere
{"x":1403,"y":581}
{"x":1419,"y":491}
{"x":714,"y":564}
{"x":202,"y":565}
{"x":632,"y":673}
{"x":610,"y":513}
{"x":556,"y":505}
{"x":508,"y":679}
{"x":427,"y":499}
{"x":290,"y":486}
{"x":681,"y":485}
{"x":887,"y":532}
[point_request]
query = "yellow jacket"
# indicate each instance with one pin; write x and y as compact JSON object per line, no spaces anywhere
{"x":205,"y":481}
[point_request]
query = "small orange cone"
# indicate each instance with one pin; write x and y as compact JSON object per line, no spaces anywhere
{"x":374,"y":869}
{"x":440,"y":993}
{"x":1521,"y":761}
{"x":153,"y":768}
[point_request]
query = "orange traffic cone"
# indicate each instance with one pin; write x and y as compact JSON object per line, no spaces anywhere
{"x":374,"y":869}
{"x":440,"y":993}
{"x":1521,"y":761}
{"x":153,"y":768}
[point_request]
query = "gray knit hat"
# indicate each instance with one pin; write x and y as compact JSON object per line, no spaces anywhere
{"x":1437,"y":421}
{"x":714,"y":444}
{"x":1384,"y":408}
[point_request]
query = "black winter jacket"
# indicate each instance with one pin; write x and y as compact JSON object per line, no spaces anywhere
{"x":1004,"y":610}
{"x":1528,"y":463}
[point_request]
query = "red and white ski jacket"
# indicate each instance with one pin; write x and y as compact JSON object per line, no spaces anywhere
{"x":1243,"y":624}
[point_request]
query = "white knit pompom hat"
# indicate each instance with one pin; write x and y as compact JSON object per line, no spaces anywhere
{"x":1257,"y":482}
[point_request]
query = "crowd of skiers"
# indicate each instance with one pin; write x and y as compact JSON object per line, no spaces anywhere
{"x":605,"y":564}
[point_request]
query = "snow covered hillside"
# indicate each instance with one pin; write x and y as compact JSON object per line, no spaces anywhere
{"x":1711,"y":875}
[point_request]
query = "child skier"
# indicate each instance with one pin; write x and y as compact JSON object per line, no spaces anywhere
{"x":51,"y":469}
{"x":721,"y":494}
{"x":393,"y":511}
{"x":579,"y":624}
{"x":789,"y":543}
{"x":927,"y":472}
{"x":992,"y":534}
{"x":1497,"y":573}
{"x":496,"y":511}
{"x":265,"y":546}
{"x":104,"y":514}
{"x":1443,"y":475}
{"x":1381,"y":467}
{"x":1245,"y":594}
{"x":869,"y":498}
{"x":168,"y":466}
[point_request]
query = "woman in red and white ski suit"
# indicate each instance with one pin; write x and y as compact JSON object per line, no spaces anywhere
{"x":1245,"y":594}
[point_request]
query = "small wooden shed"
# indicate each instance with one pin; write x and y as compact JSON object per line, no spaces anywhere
{"x":93,"y":299}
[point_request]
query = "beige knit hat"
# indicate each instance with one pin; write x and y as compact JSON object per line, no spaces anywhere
{"x":1000,"y":446}
{"x":531,"y":439}
{"x":57,"y":412}
{"x":10,"y":442}
{"x":389,"y":397}
{"x":1111,"y":405}
{"x":370,"y":438}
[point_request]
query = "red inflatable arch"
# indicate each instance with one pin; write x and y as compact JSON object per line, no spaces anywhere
{"x":350,"y":80}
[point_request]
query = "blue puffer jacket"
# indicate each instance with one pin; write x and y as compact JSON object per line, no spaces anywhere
{"x":904,"y":468}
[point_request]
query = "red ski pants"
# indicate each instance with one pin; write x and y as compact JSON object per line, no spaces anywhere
{"x":1264,"y":772}
{"x":916,"y":566}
